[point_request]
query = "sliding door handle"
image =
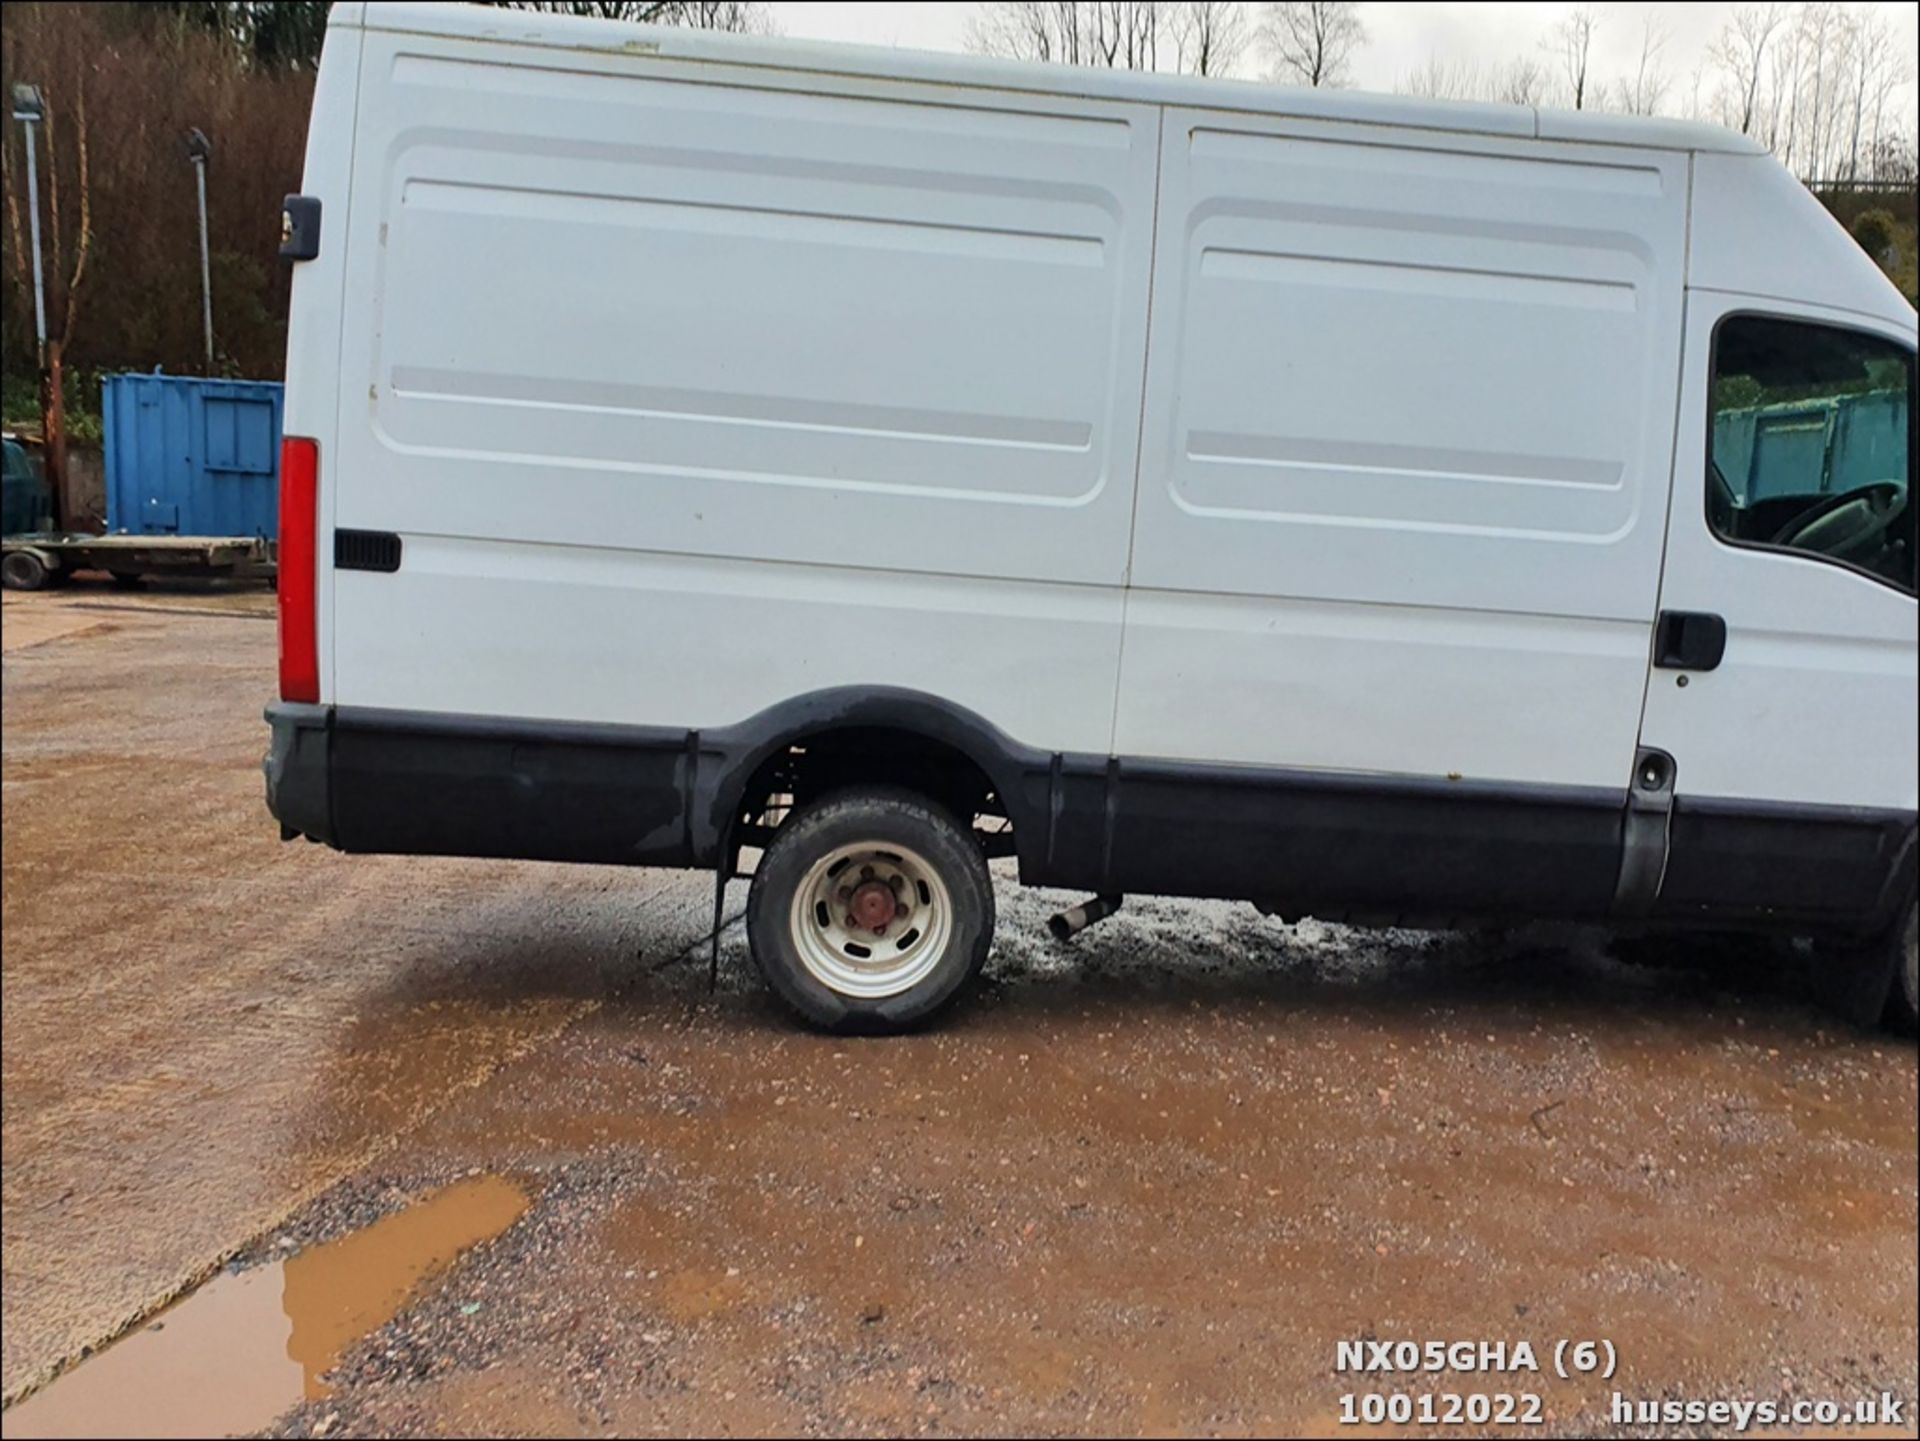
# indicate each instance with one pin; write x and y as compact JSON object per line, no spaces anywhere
{"x":1689,"y":640}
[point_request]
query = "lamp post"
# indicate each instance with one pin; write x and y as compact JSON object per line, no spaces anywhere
{"x":198,"y":149}
{"x":29,"y":109}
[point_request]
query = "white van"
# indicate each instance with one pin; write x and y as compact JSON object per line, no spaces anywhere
{"x":1368,"y":507}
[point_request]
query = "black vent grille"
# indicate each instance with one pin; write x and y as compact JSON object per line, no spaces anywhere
{"x":366,"y":550}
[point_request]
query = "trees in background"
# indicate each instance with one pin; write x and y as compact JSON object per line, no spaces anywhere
{"x":739,"y":16}
{"x":1571,"y":44}
{"x":290,"y":32}
{"x":1200,"y":37}
{"x":1740,"y":54}
{"x":1309,"y":42}
{"x":1210,"y":36}
{"x":119,"y":219}
{"x":1312,"y":41}
{"x":1643,"y":92}
{"x":268,"y":33}
{"x":1817,"y":83}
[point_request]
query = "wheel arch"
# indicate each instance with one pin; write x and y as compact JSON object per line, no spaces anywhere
{"x":746,"y":752}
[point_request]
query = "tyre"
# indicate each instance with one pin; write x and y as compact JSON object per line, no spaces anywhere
{"x":871,"y":910}
{"x":1903,"y":995}
{"x":1875,"y":979}
{"x":128,"y":580}
{"x":23,"y":570}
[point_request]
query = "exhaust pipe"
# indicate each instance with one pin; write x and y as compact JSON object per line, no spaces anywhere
{"x":1069,"y":924}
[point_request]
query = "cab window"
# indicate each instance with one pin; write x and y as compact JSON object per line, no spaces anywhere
{"x":1811,"y":446}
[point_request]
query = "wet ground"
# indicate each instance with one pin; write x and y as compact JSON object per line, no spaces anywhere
{"x":468,"y":1148}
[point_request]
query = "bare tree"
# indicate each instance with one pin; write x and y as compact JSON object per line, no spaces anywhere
{"x":1204,"y":37}
{"x":1441,"y":79}
{"x":1119,"y":34}
{"x":268,"y":33}
{"x":1784,"y":83}
{"x":1879,"y":68}
{"x":1209,"y":36}
{"x":1819,"y":24}
{"x":649,"y":11}
{"x":1029,"y":30}
{"x":1817,"y":83}
{"x":67,"y":248}
{"x":1892,"y":74}
{"x":1643,"y":93}
{"x":1126,"y":34}
{"x":743,"y":16}
{"x":1521,"y":81}
{"x":1740,"y":50}
{"x":1312,"y":40}
{"x":1571,"y":45}
{"x":1893,"y":159}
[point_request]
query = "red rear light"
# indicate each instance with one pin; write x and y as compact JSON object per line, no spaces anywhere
{"x":299,"y":578}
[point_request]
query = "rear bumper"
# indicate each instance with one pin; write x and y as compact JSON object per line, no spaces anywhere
{"x":296,"y":767}
{"x":385,"y":782}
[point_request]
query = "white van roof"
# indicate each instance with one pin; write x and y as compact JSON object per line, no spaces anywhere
{"x":567,"y":32}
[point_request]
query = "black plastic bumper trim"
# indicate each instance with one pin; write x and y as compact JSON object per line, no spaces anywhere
{"x":1318,"y":843}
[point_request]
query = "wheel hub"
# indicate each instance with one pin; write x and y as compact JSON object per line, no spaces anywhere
{"x":872,"y":907}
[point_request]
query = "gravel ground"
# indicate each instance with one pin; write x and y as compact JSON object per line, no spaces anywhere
{"x":1143,"y":1184}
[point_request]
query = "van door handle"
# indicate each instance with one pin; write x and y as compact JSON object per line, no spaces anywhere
{"x":1689,"y":640}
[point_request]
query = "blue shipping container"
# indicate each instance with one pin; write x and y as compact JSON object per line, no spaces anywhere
{"x":192,"y":457}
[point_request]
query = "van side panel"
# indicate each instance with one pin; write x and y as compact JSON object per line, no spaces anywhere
{"x":1407,"y":446}
{"x":688,"y":390}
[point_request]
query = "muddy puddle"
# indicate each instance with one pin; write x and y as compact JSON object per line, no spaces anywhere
{"x":247,"y":1345}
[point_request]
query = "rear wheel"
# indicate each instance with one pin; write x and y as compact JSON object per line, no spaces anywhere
{"x":871,"y":910}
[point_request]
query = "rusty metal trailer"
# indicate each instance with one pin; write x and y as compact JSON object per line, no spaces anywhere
{"x":29,"y":562}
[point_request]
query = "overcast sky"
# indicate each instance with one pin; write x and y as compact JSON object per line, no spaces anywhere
{"x":1401,"y":37}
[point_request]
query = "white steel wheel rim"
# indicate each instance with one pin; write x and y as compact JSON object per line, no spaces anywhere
{"x":835,"y":907}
